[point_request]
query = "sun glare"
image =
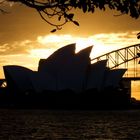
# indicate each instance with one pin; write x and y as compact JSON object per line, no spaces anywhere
{"x":51,"y":43}
{"x":98,"y":47}
{"x":41,"y":53}
{"x":82,"y":43}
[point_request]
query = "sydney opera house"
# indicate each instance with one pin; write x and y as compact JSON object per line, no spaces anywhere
{"x":68,"y":78}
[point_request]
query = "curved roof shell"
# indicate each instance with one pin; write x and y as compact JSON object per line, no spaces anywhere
{"x":67,"y":68}
{"x":17,"y":77}
{"x":113,"y":77}
{"x":96,"y":74}
{"x":42,"y":82}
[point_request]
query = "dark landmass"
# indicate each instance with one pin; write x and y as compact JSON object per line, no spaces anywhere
{"x":68,"y":100}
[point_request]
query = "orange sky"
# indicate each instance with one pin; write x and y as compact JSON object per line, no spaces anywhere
{"x":25,"y":37}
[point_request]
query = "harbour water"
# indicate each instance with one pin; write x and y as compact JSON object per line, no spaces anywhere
{"x":20,"y":124}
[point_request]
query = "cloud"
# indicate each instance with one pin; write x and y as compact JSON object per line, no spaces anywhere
{"x":18,"y":47}
{"x":52,"y":42}
{"x":43,"y":46}
{"x":55,"y":41}
{"x":118,"y":40}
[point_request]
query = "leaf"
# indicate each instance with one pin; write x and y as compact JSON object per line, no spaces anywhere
{"x":73,"y":2}
{"x":59,"y":18}
{"x":76,"y":23}
{"x":92,"y":10}
{"x":54,"y":30}
{"x":70,"y":16}
{"x":138,"y":35}
{"x":84,"y":6}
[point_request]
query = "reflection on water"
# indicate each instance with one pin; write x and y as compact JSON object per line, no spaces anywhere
{"x":135,"y":85}
{"x":69,"y":125}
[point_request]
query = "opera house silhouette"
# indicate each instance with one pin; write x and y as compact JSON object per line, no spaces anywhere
{"x":67,"y":80}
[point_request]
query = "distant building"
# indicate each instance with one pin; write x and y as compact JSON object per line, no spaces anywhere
{"x":64,"y":69}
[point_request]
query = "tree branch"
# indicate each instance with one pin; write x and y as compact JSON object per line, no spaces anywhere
{"x":60,"y":8}
{"x":58,"y":26}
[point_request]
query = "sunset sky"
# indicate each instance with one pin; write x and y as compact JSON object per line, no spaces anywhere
{"x":25,"y":37}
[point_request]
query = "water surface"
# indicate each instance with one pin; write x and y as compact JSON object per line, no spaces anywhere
{"x":16,"y":124}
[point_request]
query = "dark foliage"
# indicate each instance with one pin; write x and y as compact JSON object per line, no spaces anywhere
{"x":92,"y":99}
{"x":61,"y":9}
{"x":138,"y":35}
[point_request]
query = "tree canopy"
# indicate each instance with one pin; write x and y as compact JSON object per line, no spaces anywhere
{"x":61,"y":9}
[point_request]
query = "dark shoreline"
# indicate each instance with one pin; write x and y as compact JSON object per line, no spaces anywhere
{"x":68,"y":100}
